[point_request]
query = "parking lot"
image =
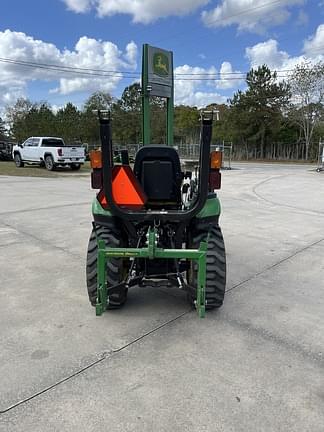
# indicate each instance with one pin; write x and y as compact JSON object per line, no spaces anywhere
{"x":257,"y":364}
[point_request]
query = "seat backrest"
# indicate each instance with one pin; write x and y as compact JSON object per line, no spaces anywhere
{"x":158,"y":170}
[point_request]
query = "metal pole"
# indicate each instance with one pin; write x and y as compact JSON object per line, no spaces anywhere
{"x":170,"y":121}
{"x":102,"y":297}
{"x":170,"y":109}
{"x":146,"y":133}
{"x":230,"y":156}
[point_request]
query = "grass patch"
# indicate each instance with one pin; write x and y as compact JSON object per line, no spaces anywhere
{"x":10,"y":169}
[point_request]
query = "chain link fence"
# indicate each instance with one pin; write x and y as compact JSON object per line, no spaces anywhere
{"x":187,"y":152}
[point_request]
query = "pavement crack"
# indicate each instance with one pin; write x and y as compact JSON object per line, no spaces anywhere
{"x":274,"y":265}
{"x":155,"y":329}
{"x":57,"y":383}
{"x":102,"y":357}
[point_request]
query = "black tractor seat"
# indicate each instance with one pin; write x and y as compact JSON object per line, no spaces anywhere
{"x":158,"y":169}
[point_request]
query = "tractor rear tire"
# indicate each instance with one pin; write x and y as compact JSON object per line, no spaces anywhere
{"x":215,"y":267}
{"x":115,"y":266}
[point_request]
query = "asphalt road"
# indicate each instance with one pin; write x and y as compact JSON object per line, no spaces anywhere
{"x":257,"y":364}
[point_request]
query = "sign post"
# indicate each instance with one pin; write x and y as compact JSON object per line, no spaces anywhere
{"x":157,"y":80}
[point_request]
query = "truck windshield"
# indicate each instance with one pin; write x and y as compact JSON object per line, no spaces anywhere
{"x":52,"y":142}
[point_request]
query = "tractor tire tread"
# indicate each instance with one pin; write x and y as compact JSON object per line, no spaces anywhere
{"x":215,"y":263}
{"x":111,"y":236}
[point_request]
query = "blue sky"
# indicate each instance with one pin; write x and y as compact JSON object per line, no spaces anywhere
{"x":215,"y":39}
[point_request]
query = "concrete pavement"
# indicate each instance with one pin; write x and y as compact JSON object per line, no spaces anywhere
{"x":256,"y":364}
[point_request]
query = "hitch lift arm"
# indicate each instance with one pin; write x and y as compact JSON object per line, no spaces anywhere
{"x":150,"y":252}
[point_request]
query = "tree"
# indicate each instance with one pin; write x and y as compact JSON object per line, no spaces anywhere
{"x":307,"y":86}
{"x":127,"y":116}
{"x":16,"y":116}
{"x":3,"y":131}
{"x":131,"y":98}
{"x":128,"y":121}
{"x":257,"y":112}
{"x":222,"y":130}
{"x":158,"y":106}
{"x":40,"y":120}
{"x":46,"y":120}
{"x":240,"y":120}
{"x":68,"y":123}
{"x":186,"y":124}
{"x":98,"y":101}
{"x":89,"y":119}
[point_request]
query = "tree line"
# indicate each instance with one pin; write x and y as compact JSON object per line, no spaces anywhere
{"x":271,"y":119}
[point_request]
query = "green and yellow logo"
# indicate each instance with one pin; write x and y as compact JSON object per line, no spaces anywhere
{"x":160,"y":64}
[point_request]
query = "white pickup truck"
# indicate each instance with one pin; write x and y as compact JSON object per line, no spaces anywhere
{"x":48,"y":151}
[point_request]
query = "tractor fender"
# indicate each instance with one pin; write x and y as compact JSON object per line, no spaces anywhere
{"x":97,"y":210}
{"x":212,"y":208}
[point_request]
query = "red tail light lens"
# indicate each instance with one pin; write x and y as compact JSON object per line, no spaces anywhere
{"x":96,"y":179}
{"x":60,"y":152}
{"x":214,"y":179}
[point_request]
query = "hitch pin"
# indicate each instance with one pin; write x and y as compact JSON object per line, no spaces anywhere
{"x":132,"y":259}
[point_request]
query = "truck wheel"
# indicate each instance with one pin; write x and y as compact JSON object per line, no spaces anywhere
{"x":19,"y":163}
{"x":75,"y":167}
{"x":216,"y":266}
{"x":115,"y":267}
{"x":49,"y":163}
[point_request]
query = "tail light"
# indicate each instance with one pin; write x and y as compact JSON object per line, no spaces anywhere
{"x":215,"y":179}
{"x":95,"y":159}
{"x":96,"y":178}
{"x":216,"y":158}
{"x":60,"y":152}
{"x":96,"y":165}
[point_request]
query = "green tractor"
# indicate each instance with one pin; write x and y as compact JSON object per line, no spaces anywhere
{"x":154,"y":223}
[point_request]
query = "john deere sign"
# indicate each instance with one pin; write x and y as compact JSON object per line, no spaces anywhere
{"x":160,"y":71}
{"x":157,"y":80}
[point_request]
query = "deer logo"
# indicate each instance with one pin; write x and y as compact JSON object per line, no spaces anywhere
{"x":160,"y":64}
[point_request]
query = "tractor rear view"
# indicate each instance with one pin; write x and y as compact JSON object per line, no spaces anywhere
{"x":154,"y":222}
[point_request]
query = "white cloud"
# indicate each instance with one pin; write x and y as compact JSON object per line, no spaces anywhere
{"x":142,"y":11}
{"x":252,"y":15}
{"x":268,"y":53}
{"x":315,"y":44}
{"x":229,"y":78}
{"x":79,"y":6}
{"x":10,"y":91}
{"x":201,"y":99}
{"x":192,"y":92}
{"x":88,"y":54}
{"x":131,"y":54}
{"x":56,"y":108}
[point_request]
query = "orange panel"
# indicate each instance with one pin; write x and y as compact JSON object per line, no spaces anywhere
{"x":126,"y":190}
